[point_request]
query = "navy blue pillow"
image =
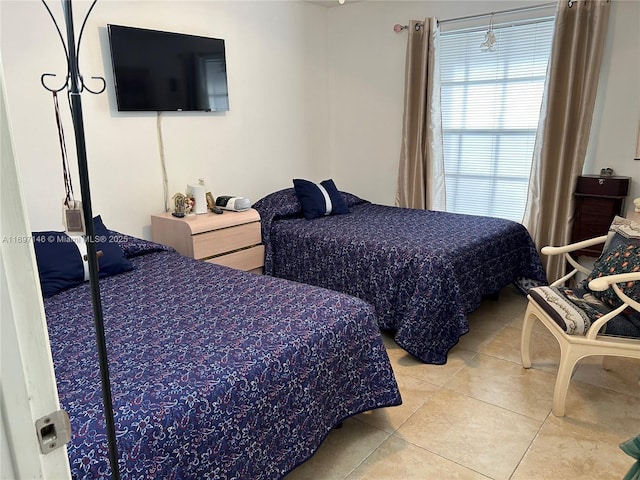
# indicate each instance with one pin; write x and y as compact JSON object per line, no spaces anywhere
{"x":60,"y":264}
{"x":320,"y":199}
{"x":113,"y":260}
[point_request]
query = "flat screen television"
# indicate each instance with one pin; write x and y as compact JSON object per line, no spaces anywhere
{"x":164,"y":71}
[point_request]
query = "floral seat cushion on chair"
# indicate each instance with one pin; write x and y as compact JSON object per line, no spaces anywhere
{"x":575,"y":309}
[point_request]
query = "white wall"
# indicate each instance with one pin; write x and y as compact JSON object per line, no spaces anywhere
{"x":276,"y":128}
{"x":366,"y":62}
{"x":314,"y":93}
{"x":616,"y":118}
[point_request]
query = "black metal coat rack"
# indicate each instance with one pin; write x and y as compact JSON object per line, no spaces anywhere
{"x":74,"y":84}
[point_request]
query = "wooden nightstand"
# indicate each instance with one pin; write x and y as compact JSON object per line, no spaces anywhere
{"x":231,"y":239}
{"x":597,"y":201}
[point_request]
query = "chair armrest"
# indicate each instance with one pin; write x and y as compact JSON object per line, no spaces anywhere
{"x":602,"y":283}
{"x":566,"y":250}
{"x":572,"y":247}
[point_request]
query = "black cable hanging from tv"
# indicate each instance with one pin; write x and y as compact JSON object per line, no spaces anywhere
{"x":74,"y":84}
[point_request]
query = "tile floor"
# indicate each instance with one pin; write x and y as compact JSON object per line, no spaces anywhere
{"x":482,"y":416}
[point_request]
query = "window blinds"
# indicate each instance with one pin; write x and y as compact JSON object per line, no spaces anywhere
{"x":490,"y":108}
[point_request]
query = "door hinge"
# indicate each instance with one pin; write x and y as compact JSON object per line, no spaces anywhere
{"x":54,"y":431}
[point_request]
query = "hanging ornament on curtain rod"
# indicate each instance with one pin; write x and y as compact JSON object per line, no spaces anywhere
{"x":489,"y":38}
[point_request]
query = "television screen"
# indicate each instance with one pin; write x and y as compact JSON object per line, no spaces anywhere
{"x":164,"y":71}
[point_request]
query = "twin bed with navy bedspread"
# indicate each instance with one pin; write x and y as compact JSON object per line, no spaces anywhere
{"x":422,"y":270}
{"x":215,"y":373}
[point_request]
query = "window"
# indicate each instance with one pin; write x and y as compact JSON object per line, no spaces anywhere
{"x":490,"y":108}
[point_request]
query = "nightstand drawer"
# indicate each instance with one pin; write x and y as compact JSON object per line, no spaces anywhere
{"x":224,"y":240}
{"x":247,"y":259}
{"x":597,"y":207}
{"x":603,"y":186}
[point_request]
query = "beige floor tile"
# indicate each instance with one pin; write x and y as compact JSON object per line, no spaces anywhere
{"x":603,"y":410}
{"x":544,"y":348}
{"x":482,"y":329}
{"x":545,"y":355}
{"x":565,"y":449}
{"x":414,"y":393}
{"x":623,"y":374}
{"x":507,"y":385}
{"x":341,"y":452}
{"x":405,"y":364}
{"x":483,"y":437}
{"x":396,"y":459}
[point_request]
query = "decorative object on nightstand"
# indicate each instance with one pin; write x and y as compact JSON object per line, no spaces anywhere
{"x":179,"y":205}
{"x":232,"y":239}
{"x":598,"y":199}
{"x":211,"y":201}
{"x":198,"y":193}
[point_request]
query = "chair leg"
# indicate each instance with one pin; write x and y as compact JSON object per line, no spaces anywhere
{"x":525,"y":338}
{"x":568,"y":360}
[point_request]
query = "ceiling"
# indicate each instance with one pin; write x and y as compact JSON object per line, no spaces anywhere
{"x":325,"y":3}
{"x":331,"y":3}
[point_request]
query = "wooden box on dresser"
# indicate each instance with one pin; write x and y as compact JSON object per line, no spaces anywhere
{"x":597,"y":200}
{"x":232,"y":239}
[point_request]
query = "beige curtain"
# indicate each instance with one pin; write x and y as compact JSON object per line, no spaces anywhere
{"x":421,"y":171}
{"x":565,"y":123}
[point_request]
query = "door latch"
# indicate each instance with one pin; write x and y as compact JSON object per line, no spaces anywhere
{"x":54,"y":431}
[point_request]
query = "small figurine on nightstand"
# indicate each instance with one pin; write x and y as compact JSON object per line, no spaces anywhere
{"x":179,"y":204}
{"x":190,"y":204}
{"x":211,"y":204}
{"x":210,"y":201}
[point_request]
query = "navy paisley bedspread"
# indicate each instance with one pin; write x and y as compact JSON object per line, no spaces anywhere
{"x":215,"y":373}
{"x":423,"y":271}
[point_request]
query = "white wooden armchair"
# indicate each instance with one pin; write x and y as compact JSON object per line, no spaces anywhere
{"x":582,"y":323}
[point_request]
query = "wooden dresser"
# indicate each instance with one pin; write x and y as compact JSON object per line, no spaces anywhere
{"x":597,"y":200}
{"x":232,"y":239}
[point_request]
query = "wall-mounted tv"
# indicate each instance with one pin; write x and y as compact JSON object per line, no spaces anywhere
{"x":164,"y":71}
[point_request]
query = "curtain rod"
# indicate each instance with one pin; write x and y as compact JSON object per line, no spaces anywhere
{"x":398,"y":28}
{"x":500,"y":12}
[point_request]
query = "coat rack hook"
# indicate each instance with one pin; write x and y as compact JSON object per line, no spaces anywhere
{"x":95,"y":92}
{"x":66,"y":54}
{"x":66,"y":83}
